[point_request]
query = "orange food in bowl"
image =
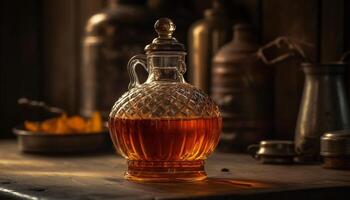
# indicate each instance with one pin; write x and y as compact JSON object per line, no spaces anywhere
{"x":66,"y":125}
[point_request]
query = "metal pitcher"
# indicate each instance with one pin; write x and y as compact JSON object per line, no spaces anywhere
{"x":324,"y":104}
{"x":324,"y":107}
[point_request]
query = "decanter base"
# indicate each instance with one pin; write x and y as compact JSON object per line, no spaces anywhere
{"x":167,"y":171}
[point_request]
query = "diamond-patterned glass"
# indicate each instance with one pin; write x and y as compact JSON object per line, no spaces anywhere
{"x":165,"y":100}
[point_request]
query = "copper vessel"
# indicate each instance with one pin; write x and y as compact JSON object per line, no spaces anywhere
{"x":206,"y":36}
{"x":111,"y":38}
{"x":242,"y":86}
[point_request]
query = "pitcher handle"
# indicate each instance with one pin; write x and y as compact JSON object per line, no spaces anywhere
{"x":293,"y":48}
{"x":133,"y":62}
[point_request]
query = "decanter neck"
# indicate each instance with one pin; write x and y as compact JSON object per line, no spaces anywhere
{"x":167,"y":66}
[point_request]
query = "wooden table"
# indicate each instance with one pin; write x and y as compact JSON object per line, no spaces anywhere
{"x":100,"y":176}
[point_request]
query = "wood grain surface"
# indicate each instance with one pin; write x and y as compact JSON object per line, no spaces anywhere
{"x":100,"y":176}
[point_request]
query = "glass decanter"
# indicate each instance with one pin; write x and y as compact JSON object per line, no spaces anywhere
{"x":164,"y":127}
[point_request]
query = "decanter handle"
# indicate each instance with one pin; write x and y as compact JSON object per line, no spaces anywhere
{"x":133,"y":62}
{"x":182,"y":67}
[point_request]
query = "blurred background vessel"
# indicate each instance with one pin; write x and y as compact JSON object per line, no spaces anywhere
{"x":206,"y":36}
{"x":111,"y":38}
{"x":242,"y":86}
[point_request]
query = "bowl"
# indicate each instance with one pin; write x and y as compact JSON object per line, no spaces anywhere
{"x":44,"y":142}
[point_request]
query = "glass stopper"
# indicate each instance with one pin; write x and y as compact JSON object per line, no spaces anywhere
{"x":165,"y":41}
{"x":165,"y":28}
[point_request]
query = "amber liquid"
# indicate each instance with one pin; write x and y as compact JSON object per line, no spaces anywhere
{"x":165,"y":149}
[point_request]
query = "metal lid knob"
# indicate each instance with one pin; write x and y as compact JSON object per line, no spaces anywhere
{"x":165,"y":28}
{"x":165,"y":40}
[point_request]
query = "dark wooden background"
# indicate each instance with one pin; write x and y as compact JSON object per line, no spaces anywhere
{"x":41,"y":43}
